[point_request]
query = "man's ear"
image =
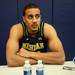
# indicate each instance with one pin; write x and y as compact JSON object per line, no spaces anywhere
{"x":23,"y":18}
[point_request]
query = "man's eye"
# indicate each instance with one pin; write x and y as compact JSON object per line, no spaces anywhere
{"x":37,"y":16}
{"x":30,"y":17}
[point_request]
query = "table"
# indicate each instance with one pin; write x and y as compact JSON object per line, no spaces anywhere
{"x":48,"y":69}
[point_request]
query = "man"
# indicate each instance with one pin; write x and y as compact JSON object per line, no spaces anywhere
{"x":33,"y":40}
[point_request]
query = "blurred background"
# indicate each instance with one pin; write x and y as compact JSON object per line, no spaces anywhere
{"x":59,"y":13}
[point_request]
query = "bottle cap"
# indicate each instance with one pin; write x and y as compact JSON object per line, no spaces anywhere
{"x":26,"y":61}
{"x":39,"y":61}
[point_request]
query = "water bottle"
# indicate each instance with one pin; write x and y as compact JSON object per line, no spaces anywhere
{"x":40,"y":68}
{"x":27,"y":68}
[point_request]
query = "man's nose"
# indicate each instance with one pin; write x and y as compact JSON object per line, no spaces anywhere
{"x":34,"y":19}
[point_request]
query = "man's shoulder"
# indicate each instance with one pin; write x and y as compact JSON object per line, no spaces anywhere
{"x":49,"y":30}
{"x":16,"y":26}
{"x":48,"y":26}
{"x":16,"y":29}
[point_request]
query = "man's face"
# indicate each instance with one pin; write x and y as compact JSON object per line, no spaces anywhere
{"x":32,"y":19}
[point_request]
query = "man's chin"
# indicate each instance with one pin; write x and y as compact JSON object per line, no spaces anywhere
{"x":35,"y":29}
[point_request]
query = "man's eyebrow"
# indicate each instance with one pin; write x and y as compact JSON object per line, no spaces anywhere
{"x":37,"y":14}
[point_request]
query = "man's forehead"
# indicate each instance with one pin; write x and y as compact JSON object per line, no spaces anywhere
{"x":33,"y":11}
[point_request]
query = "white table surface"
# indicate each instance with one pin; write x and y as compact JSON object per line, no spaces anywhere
{"x":48,"y":69}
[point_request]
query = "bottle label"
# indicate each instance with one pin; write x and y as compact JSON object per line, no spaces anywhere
{"x":27,"y":72}
{"x":39,"y":72}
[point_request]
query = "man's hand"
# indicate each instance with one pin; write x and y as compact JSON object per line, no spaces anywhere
{"x":24,"y":53}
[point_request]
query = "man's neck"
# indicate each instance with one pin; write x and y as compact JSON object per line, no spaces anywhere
{"x":33,"y":33}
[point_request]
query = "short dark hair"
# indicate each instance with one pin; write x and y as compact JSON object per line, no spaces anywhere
{"x":31,"y":5}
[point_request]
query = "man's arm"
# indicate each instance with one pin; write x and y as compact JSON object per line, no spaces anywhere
{"x":12,"y":47}
{"x":56,"y":54}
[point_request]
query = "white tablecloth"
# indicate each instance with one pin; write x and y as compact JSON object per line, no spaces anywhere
{"x":48,"y":69}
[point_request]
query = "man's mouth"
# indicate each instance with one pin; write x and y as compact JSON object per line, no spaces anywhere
{"x":34,"y":25}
